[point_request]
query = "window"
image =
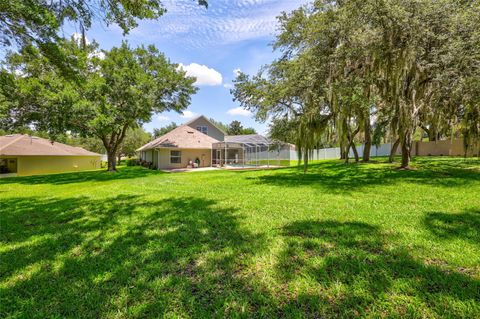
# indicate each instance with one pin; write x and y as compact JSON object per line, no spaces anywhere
{"x":8,"y":165}
{"x":203,"y":129}
{"x":175,"y":157}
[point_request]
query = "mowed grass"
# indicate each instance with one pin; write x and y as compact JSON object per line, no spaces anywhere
{"x":340,"y":241}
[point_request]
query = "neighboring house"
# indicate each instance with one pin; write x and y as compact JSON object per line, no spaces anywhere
{"x":23,"y":155}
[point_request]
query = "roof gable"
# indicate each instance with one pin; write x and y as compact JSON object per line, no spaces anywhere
{"x":192,"y":121}
{"x":182,"y":137}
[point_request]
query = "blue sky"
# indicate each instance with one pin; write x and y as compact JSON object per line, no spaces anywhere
{"x":210,"y":43}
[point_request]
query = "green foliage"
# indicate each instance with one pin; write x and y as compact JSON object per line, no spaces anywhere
{"x":93,"y":144}
{"x":236,"y":128}
{"x":248,"y":131}
{"x":341,"y":241}
{"x":134,"y":139}
{"x":157,"y":132}
{"x":38,"y":22}
{"x":131,"y":162}
{"x":344,"y":64}
{"x":117,"y":93}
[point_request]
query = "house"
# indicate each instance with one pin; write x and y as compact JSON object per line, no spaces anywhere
{"x":23,"y":155}
{"x":190,"y":142}
{"x":200,"y":141}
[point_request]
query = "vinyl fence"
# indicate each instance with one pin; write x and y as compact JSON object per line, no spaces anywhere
{"x":334,"y":152}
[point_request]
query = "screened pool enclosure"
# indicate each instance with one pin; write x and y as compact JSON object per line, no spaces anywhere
{"x":253,"y":150}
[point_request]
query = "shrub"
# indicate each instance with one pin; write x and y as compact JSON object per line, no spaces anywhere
{"x":132,"y":162}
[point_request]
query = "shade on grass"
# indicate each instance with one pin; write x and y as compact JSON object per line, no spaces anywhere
{"x":342,"y":240}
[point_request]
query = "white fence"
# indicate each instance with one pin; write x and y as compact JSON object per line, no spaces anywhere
{"x":334,"y":153}
{"x":283,"y":156}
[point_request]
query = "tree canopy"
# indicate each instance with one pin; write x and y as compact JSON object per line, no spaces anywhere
{"x":236,"y":128}
{"x":134,"y":139}
{"x":38,"y":22}
{"x":352,"y":71}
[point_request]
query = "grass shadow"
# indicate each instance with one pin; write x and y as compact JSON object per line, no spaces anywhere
{"x":465,"y":225}
{"x":355,"y":273}
{"x":123,"y":256}
{"x":339,"y":177}
{"x":79,"y":177}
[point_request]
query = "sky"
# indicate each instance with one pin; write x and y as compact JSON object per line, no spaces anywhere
{"x":211,"y":44}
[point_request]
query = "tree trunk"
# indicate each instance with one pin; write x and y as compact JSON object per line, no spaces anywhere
{"x":350,"y":143}
{"x":342,"y":151}
{"x":305,"y":161}
{"x":406,"y":143}
{"x":355,"y":152}
{"x":111,"y":159}
{"x":405,"y":156}
{"x":119,"y":156}
{"x":433,"y":135}
{"x":393,"y":151}
{"x":346,"y":153}
{"x":368,"y":141}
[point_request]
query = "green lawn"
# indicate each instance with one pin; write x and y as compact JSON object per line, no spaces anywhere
{"x":340,"y":241}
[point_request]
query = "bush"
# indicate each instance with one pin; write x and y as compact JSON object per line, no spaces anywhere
{"x":132,"y":162}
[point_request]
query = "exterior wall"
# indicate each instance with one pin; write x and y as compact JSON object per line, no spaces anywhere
{"x":212,"y":130}
{"x":440,"y":148}
{"x":187,"y":155}
{"x":39,"y":165}
{"x":155,"y":158}
{"x":148,"y":155}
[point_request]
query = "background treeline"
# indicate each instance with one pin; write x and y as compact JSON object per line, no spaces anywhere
{"x":371,"y":70}
{"x":69,"y":87}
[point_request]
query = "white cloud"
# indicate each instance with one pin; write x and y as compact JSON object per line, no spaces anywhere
{"x":239,"y":111}
{"x":225,"y":22}
{"x":204,"y":74}
{"x":236,"y":72}
{"x":78,"y":38}
{"x":163,"y":118}
{"x":97,"y":54}
{"x":228,"y":85}
{"x":188,"y":114}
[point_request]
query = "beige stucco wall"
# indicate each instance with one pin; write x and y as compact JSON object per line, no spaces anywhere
{"x":212,"y":130}
{"x":147,"y":155}
{"x":187,"y":155}
{"x":440,"y":148}
{"x":38,"y":165}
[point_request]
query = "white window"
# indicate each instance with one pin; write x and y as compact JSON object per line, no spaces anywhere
{"x":175,"y":157}
{"x":203,"y":129}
